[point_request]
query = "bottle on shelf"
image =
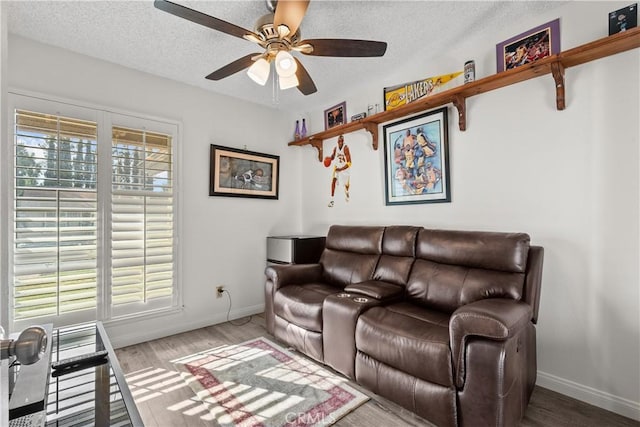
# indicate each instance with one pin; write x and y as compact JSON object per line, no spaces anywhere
{"x":303,"y":131}
{"x":469,"y":71}
{"x":296,"y":133}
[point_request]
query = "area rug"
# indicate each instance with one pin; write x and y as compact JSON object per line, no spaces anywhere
{"x":259,"y":383}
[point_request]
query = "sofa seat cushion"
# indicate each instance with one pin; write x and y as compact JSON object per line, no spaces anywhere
{"x":302,"y":304}
{"x":421,"y":313}
{"x":411,"y":339}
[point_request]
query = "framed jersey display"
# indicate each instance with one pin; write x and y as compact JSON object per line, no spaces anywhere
{"x":416,"y":158}
{"x":242,"y":173}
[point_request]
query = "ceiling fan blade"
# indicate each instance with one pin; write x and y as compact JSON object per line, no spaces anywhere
{"x":290,"y":13}
{"x":202,"y":19}
{"x":345,"y":47}
{"x":233,"y":67}
{"x":305,"y":83}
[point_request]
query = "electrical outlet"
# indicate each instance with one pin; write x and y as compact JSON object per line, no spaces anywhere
{"x":219,"y":290}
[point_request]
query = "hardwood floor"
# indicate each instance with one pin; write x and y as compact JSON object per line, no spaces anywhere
{"x":163,"y":399}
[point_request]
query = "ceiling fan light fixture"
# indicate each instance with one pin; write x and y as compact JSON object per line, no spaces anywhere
{"x":285,"y":64}
{"x":259,"y":71}
{"x":287,"y":82}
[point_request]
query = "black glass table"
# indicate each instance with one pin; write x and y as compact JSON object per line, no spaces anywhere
{"x":92,"y":396}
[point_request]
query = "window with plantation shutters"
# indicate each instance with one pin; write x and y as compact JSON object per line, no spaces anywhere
{"x":55,"y":216}
{"x":141,"y":220}
{"x":92,"y":215}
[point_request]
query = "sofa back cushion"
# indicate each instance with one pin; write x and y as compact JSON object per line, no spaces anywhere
{"x":398,"y":252}
{"x":351,"y":254}
{"x":454,"y":268}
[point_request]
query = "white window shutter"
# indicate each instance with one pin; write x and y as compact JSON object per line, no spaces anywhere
{"x":80,"y":249}
{"x":55,"y":216}
{"x":142,"y":221}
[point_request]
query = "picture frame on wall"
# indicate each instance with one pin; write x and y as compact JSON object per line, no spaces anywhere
{"x":530,"y":46}
{"x":242,"y":173}
{"x":416,"y":159}
{"x":623,"y":19}
{"x":335,"y":116}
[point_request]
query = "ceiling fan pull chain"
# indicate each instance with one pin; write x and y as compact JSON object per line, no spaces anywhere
{"x":275,"y":97}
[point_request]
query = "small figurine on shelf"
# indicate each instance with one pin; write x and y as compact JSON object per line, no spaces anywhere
{"x":303,"y":131}
{"x":296,"y":134}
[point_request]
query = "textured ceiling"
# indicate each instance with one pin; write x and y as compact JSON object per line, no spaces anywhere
{"x":137,"y":35}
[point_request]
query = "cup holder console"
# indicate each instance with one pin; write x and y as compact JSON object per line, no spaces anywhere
{"x":360,"y":300}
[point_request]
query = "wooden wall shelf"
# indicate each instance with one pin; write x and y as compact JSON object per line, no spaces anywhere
{"x":554,"y":65}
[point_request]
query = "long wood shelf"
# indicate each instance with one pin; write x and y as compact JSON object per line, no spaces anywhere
{"x":554,"y":65}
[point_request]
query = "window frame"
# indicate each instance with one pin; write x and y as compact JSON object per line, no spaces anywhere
{"x":106,"y":118}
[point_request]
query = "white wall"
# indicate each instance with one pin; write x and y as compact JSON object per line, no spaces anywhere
{"x":222,"y":239}
{"x":568,"y":178}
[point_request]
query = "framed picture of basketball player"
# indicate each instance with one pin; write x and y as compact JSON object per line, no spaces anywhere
{"x":530,"y":46}
{"x":335,"y":116}
{"x":416,"y":159}
{"x":242,"y":173}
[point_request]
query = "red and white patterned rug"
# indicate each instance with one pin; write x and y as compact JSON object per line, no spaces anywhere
{"x":259,"y":383}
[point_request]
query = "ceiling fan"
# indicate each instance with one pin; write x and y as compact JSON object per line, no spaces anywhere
{"x":278,"y":33}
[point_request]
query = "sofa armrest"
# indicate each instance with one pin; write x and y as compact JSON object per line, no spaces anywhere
{"x":283,"y":275}
{"x":378,"y":289}
{"x":497,"y":319}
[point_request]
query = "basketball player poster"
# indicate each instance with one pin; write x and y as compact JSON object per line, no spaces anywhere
{"x":340,"y":162}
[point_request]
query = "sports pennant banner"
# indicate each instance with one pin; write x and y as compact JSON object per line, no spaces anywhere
{"x":406,"y":93}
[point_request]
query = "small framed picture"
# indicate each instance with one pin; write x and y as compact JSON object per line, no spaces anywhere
{"x":335,"y":116}
{"x":241,"y":173}
{"x":623,"y":19}
{"x":537,"y":43}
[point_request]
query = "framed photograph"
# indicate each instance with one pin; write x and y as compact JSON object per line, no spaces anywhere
{"x":623,"y":19}
{"x":335,"y":116}
{"x":241,"y":173}
{"x":537,"y":43}
{"x":416,"y":159}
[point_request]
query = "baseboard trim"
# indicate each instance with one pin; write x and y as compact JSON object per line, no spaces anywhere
{"x":592,"y":396}
{"x":124,"y":340}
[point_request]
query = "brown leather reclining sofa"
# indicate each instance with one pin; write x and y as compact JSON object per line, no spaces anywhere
{"x":440,"y":322}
